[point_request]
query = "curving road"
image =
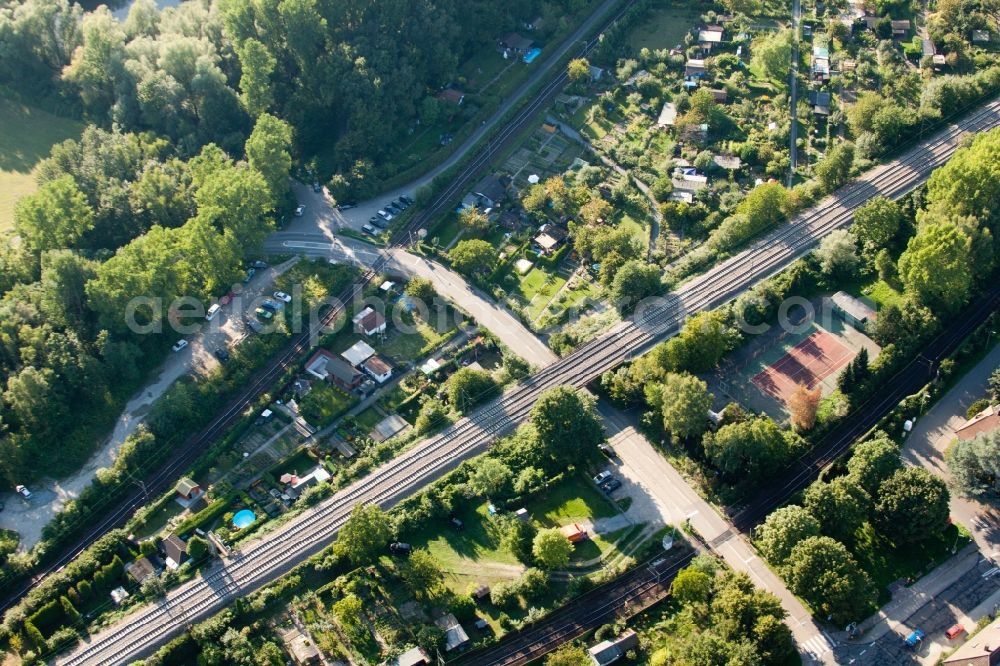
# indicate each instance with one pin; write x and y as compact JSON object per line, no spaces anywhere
{"x":275,"y":553}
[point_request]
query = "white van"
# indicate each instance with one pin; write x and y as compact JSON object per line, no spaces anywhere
{"x":212,"y":311}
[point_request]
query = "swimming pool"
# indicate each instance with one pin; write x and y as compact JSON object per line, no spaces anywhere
{"x":244,"y":518}
{"x":530,"y":56}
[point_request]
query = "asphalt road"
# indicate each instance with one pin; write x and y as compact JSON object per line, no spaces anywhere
{"x":271,"y":555}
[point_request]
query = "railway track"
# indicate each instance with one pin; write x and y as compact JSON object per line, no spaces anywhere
{"x":183,"y":456}
{"x":275,"y":553}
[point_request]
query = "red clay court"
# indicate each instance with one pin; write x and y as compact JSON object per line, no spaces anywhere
{"x":809,"y":362}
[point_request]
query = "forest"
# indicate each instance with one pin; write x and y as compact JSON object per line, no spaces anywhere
{"x":351,"y":78}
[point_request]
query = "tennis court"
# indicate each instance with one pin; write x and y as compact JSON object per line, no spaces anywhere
{"x":809,"y":362}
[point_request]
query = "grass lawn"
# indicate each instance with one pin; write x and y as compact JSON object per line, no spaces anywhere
{"x":536,"y":288}
{"x":405,"y":347}
{"x":28,"y":135}
{"x":883,"y":294}
{"x":158,"y":520}
{"x":464,"y":551}
{"x":446,"y":230}
{"x":482,"y":68}
{"x":368,"y":418}
{"x":638,"y":229}
{"x":886,"y":563}
{"x":300,"y":463}
{"x":664,"y":29}
{"x":324,"y":403}
{"x":572,"y":499}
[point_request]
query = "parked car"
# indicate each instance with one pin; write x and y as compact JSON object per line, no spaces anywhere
{"x":222,"y":354}
{"x":266,"y":315}
{"x":283,"y":297}
{"x":385,"y":215}
{"x":317,"y":187}
{"x":254,"y":325}
{"x":270,"y":305}
{"x":400,"y":548}
{"x":250,"y":273}
{"x":606,"y":450}
{"x":456,"y":523}
{"x":400,"y":204}
{"x":300,"y":210}
{"x":602,"y":477}
{"x":393,"y":210}
{"x":369,"y":229}
{"x":611,"y":486}
{"x":346,"y":206}
{"x":378,"y":222}
{"x":212,"y":311}
{"x":179,"y":345}
{"x":258,"y":264}
{"x":407,"y":200}
{"x":23,"y":492}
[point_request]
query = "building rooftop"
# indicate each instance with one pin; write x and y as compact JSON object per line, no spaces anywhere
{"x":358,"y":353}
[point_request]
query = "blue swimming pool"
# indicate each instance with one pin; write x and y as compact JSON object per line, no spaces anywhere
{"x":530,"y":56}
{"x":244,"y":518}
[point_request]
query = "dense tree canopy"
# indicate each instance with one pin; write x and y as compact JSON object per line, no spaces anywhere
{"x":566,"y":422}
{"x":935,"y":267}
{"x":746,"y":452}
{"x":824,"y":573}
{"x":551,"y":548}
{"x":912,"y":505}
{"x":686,"y":402}
{"x":783,"y":529}
{"x":975,"y":465}
{"x":840,"y":506}
{"x":874,"y":461}
{"x":364,"y":534}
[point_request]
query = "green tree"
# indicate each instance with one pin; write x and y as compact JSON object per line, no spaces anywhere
{"x":969,"y":183}
{"x":876,"y":223}
{"x":691,"y":586}
{"x":433,"y":414}
{"x":782,"y":529}
{"x":551,"y":549}
{"x":269,"y":153}
{"x":473,"y":256}
{"x":686,"y":402}
{"x":474,"y":220}
{"x":569,"y":654}
{"x":823,"y":572}
{"x":491,"y":478}
{"x":567,"y":423}
{"x":197,"y":548}
{"x":835,"y":168}
{"x":421,"y":573}
{"x":421,"y":290}
{"x":469,"y":387}
{"x":973,"y":465}
{"x":364,"y":534}
{"x":348,"y":612}
{"x":578,"y":70}
{"x":874,"y":461}
{"x":700,"y":345}
{"x":517,"y":537}
{"x":912,"y":506}
{"x":56,"y":216}
{"x":257,"y":65}
{"x":772,"y":55}
{"x":745,"y":452}
{"x":837,"y":255}
{"x":70,"y":611}
{"x":840,"y":506}
{"x":633,"y":282}
{"x":935,"y":266}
